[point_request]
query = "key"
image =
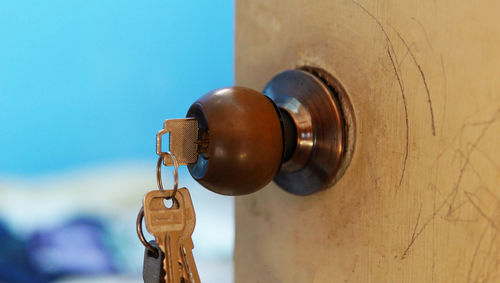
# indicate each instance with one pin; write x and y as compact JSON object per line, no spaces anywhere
{"x":152,"y":269}
{"x":167,"y":225}
{"x":184,"y":143}
{"x":186,"y":240}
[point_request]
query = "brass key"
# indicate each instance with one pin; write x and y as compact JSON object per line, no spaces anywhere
{"x":186,"y":240}
{"x":183,"y":142}
{"x":167,"y":225}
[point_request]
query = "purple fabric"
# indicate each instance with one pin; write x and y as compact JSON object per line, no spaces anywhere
{"x":75,"y":248}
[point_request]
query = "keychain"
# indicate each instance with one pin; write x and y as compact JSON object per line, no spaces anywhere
{"x":169,"y":258}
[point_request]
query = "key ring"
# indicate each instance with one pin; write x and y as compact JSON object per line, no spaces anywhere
{"x":176,"y":173}
{"x":140,"y":216}
{"x":138,"y":228}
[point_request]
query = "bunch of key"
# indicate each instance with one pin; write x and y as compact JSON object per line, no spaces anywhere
{"x":169,"y":258}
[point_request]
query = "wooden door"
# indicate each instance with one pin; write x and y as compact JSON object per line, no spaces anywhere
{"x":420,"y":201}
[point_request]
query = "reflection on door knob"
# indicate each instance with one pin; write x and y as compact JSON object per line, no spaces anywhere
{"x":299,"y":131}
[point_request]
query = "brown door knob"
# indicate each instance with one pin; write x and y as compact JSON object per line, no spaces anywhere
{"x":295,"y":132}
{"x":245,"y":141}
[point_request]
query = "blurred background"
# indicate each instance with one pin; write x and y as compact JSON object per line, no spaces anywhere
{"x":84,"y":87}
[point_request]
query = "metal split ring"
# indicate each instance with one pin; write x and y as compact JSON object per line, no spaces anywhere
{"x":176,"y":172}
{"x":138,"y":228}
{"x":140,"y":216}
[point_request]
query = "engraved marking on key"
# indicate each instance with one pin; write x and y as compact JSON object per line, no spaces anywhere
{"x":152,"y":269}
{"x":167,"y":225}
{"x":183,"y":140}
{"x":187,"y":246}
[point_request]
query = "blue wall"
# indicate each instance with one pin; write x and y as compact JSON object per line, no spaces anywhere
{"x":87,"y":82}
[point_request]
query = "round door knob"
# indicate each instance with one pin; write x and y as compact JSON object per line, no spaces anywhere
{"x":245,"y":142}
{"x":299,"y":131}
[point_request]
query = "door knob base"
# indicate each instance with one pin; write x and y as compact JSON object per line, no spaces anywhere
{"x":318,"y":106}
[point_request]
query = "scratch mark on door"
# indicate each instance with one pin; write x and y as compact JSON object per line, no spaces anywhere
{"x":422,"y":75}
{"x":397,"y":72}
{"x":413,"y":236}
{"x":474,"y":255}
{"x":481,"y":212}
{"x":403,"y":97}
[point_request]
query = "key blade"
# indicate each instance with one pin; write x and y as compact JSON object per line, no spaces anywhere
{"x":187,"y":242}
{"x":187,"y":265}
{"x":183,"y":138}
{"x":165,"y":243}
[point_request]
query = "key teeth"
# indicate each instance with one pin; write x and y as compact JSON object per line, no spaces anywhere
{"x":162,"y":271}
{"x":187,"y":242}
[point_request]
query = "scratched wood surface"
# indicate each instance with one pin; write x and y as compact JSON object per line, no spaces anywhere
{"x":420,"y":201}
